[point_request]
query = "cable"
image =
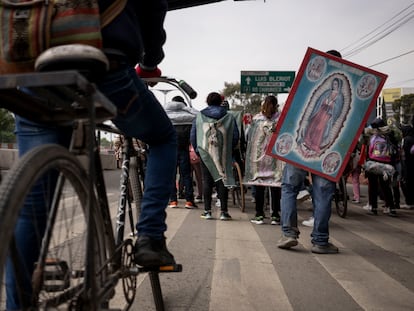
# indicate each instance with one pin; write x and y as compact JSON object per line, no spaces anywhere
{"x":363,"y":37}
{"x":380,"y":35}
{"x":392,"y":58}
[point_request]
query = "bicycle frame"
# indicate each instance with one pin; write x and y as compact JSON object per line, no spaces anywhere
{"x":67,"y":98}
{"x":18,"y":93}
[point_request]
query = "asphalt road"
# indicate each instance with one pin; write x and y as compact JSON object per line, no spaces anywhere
{"x":235,"y":265}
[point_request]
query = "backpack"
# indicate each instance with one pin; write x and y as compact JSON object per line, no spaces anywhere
{"x":29,"y":27}
{"x":380,"y":149}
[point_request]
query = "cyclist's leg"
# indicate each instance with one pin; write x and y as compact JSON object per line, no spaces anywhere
{"x":140,"y":115}
{"x":30,"y":135}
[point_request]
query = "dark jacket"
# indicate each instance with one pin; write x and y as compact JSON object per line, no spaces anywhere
{"x":137,"y":29}
{"x":215,"y":112}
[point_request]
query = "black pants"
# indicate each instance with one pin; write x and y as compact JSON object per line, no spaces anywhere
{"x":208,"y":184}
{"x":376,"y":181}
{"x":275,"y":195}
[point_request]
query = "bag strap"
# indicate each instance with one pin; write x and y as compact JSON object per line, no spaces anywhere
{"x":21,"y":4}
{"x":112,"y":11}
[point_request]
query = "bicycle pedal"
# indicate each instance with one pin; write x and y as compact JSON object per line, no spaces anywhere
{"x":56,"y":275}
{"x":166,"y":268}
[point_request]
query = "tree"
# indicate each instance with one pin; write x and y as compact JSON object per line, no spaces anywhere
{"x":6,"y":127}
{"x":249,"y":103}
{"x":105,"y":142}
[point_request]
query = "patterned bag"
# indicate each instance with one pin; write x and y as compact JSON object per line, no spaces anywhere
{"x":28,"y":27}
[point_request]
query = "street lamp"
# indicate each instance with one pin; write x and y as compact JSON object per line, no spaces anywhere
{"x":165,"y":92}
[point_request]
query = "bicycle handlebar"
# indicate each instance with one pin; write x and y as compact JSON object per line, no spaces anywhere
{"x":181,"y":85}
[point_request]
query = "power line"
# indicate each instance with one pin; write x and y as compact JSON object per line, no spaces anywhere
{"x":363,"y":37}
{"x":392,"y":58}
{"x":381,"y":34}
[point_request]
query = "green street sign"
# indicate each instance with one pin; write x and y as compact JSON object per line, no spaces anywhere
{"x":266,"y":81}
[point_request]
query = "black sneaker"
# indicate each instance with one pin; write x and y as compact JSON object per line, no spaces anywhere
{"x":150,"y":252}
{"x":225,"y":216}
{"x":324,"y":249}
{"x":373,"y":212}
{"x":393,"y":213}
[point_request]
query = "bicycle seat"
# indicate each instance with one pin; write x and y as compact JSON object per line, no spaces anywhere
{"x":88,"y":60}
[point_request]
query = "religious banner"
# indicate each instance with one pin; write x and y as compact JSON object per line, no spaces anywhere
{"x":325,"y":113}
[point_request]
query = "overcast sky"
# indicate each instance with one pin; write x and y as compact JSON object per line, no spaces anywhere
{"x":210,"y":44}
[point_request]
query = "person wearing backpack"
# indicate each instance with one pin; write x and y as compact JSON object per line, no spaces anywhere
{"x":135,"y":36}
{"x":381,"y":155}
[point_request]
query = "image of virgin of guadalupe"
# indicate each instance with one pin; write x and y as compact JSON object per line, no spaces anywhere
{"x":324,"y":116}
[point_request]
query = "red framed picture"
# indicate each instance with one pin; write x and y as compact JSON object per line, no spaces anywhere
{"x":325,"y":113}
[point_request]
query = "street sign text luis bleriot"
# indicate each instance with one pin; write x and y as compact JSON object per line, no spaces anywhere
{"x":266,"y":81}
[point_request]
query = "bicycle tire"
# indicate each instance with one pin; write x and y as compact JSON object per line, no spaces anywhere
{"x":137,"y":183}
{"x":238,"y":191}
{"x":59,"y":273}
{"x":341,"y":198}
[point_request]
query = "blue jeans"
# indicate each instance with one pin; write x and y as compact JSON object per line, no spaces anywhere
{"x":184,"y":167}
{"x":322,"y":193}
{"x":140,"y":115}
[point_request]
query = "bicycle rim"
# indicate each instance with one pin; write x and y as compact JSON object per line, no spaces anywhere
{"x":58,"y":276}
{"x":239,"y":190}
{"x":341,"y":198}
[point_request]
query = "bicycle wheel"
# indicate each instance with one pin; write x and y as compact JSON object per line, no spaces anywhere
{"x":341,"y":197}
{"x":137,"y":182}
{"x":238,"y":191}
{"x":55,"y":277}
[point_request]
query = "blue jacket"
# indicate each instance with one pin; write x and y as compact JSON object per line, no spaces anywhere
{"x":215,"y":112}
{"x":138,"y":31}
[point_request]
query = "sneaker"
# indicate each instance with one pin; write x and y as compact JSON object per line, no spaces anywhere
{"x":373,"y":212}
{"x":303,"y":195}
{"x":258,"y":220}
{"x":367,"y":207}
{"x":309,"y":222}
{"x":218,"y":203}
{"x":392,"y":213}
{"x":386,"y":210}
{"x":173,"y":204}
{"x":198,"y":199}
{"x":190,"y":205}
{"x":355,"y":201}
{"x":324,"y":249}
{"x":150,"y":252}
{"x":275,"y":221}
{"x":287,"y":242}
{"x":225,"y":216}
{"x":206,"y":215}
